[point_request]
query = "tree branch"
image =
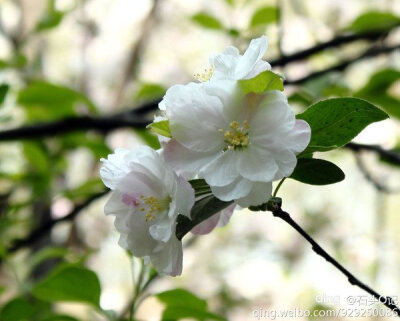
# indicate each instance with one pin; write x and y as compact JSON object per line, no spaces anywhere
{"x":387,"y":301}
{"x":384,"y":153}
{"x":337,"y":41}
{"x":43,"y":229}
{"x":371,"y":52}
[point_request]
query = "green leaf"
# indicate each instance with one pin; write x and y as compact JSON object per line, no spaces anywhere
{"x":184,"y":304}
{"x":317,"y":172}
{"x":148,"y":91}
{"x":181,"y":297}
{"x":335,"y":122}
{"x":148,"y":137}
{"x":207,"y":21}
{"x":267,"y":80}
{"x":18,"y":309}
{"x":377,"y":90}
{"x":374,"y":20}
{"x":264,"y":16}
{"x":3,"y":92}
{"x":59,"y":317}
{"x":85,"y":190}
{"x":18,"y":60}
{"x":202,"y":210}
{"x":69,"y":283}
{"x":51,"y":19}
{"x":45,"y":254}
{"x":200,"y":187}
{"x":161,"y":128}
{"x":182,"y":312}
{"x":46,"y":101}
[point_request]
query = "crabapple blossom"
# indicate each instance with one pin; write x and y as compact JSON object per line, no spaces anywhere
{"x":146,"y":199}
{"x":238,"y":143}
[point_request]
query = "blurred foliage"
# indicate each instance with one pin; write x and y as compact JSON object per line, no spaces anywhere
{"x":34,"y":176}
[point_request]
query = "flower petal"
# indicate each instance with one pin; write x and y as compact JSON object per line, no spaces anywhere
{"x":114,"y":168}
{"x":299,"y":137}
{"x":251,"y":57}
{"x":168,"y":260}
{"x":259,"y":194}
{"x":239,"y":188}
{"x":195,"y":117}
{"x":223,"y":170}
{"x":206,"y":226}
{"x":182,"y":159}
{"x":256,"y":164}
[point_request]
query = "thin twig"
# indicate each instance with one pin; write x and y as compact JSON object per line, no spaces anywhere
{"x":337,"y":41}
{"x":384,"y":153}
{"x":387,"y":301}
{"x":371,"y":52}
{"x":45,"y":228}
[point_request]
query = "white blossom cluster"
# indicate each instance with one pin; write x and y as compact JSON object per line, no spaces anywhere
{"x":238,"y":143}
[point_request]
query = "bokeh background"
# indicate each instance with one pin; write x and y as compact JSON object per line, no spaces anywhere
{"x":79,"y":60}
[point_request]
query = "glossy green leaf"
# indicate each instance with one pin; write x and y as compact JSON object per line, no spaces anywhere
{"x":69,"y":283}
{"x":267,"y":80}
{"x":264,"y":16}
{"x":202,"y":210}
{"x":3,"y":92}
{"x":335,"y":122}
{"x":317,"y":172}
{"x":161,"y":128}
{"x":374,"y":20}
{"x":207,"y":21}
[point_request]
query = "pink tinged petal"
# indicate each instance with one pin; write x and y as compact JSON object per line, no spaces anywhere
{"x":195,"y":118}
{"x":180,"y":158}
{"x":251,"y":57}
{"x":130,"y":200}
{"x":299,"y":137}
{"x":256,"y":164}
{"x":141,"y":184}
{"x":114,"y":205}
{"x":218,"y":220}
{"x":223,"y":170}
{"x":206,"y":226}
{"x":239,"y":188}
{"x":259,"y":194}
{"x":225,"y":215}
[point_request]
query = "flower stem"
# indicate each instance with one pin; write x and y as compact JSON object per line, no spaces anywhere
{"x":387,"y":301}
{"x":278,"y":187}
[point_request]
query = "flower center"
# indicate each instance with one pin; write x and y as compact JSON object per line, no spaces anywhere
{"x":204,"y":76}
{"x":153,"y":206}
{"x":149,"y":204}
{"x":237,"y":137}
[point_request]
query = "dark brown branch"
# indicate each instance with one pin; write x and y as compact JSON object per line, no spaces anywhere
{"x":44,"y":229}
{"x":371,"y":52}
{"x":387,"y":301}
{"x":389,"y":155}
{"x":102,"y":124}
{"x":337,"y":41}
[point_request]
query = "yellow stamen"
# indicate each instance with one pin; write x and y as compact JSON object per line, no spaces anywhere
{"x":204,"y":76}
{"x":238,"y":136}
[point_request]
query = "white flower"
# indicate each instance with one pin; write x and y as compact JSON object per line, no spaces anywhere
{"x":231,"y":65}
{"x":238,"y":143}
{"x":146,"y":199}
